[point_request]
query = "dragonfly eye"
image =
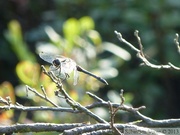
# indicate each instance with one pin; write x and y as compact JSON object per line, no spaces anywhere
{"x":56,"y":62}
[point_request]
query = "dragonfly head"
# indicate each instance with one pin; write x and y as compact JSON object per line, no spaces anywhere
{"x":56,"y":62}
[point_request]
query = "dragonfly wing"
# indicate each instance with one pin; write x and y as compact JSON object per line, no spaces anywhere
{"x":47,"y":57}
{"x":76,"y":76}
{"x":58,"y":72}
{"x":55,"y":71}
{"x":68,"y":65}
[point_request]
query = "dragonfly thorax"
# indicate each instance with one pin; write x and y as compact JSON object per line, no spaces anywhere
{"x":56,"y":62}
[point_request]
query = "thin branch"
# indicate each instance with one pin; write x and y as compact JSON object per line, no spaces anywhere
{"x":141,"y":55}
{"x":176,"y":41}
{"x":174,"y":67}
{"x":119,"y":36}
{"x":3,"y":101}
{"x":69,"y":100}
{"x":136,"y":33}
{"x":112,"y":115}
{"x":122,"y":97}
{"x":8,"y":99}
{"x":145,"y":121}
{"x":37,"y":108}
{"x":94,"y":97}
{"x":41,"y":96}
{"x":78,"y":106}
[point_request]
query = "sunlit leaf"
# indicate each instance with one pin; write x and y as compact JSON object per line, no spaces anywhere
{"x":118,"y":51}
{"x":71,"y":29}
{"x":15,"y":38}
{"x":114,"y":96}
{"x":6,"y":90}
{"x":28,"y":72}
{"x":94,"y":36}
{"x":55,"y":38}
{"x":86,"y":23}
{"x":15,"y":29}
{"x":106,"y":72}
{"x":128,"y":97}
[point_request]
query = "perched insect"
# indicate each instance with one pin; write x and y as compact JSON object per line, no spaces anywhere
{"x":63,"y":66}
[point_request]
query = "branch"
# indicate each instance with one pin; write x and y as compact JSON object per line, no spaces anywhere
{"x":144,"y":120}
{"x":38,"y":127}
{"x":99,"y":129}
{"x":40,"y":95}
{"x":6,"y":102}
{"x":177,"y":42}
{"x":140,"y":53}
{"x":69,"y":100}
{"x":37,"y":108}
{"x":112,"y":114}
{"x":67,"y":129}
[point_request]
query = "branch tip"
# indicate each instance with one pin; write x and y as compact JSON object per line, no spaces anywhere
{"x":136,"y":33}
{"x":119,"y":35}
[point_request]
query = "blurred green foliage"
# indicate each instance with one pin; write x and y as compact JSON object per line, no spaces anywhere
{"x":15,"y":38}
{"x":79,"y":29}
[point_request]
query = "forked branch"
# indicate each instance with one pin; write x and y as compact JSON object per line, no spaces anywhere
{"x":140,"y":53}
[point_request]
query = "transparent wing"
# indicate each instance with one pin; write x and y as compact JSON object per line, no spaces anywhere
{"x":68,"y":65}
{"x":57,"y":72}
{"x":54,"y":70}
{"x":47,"y":57}
{"x":50,"y":57}
{"x":76,"y":76}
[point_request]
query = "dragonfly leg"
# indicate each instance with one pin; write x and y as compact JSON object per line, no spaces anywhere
{"x":66,"y":76}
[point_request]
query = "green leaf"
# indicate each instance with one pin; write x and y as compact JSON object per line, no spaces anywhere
{"x":55,"y":38}
{"x":118,"y":51}
{"x":28,"y":72}
{"x":15,"y":38}
{"x":94,"y":37}
{"x":86,"y":23}
{"x":71,"y":29}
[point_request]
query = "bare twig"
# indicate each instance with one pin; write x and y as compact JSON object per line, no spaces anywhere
{"x":119,"y":36}
{"x":3,"y":101}
{"x":50,"y":74}
{"x":94,"y":97}
{"x":112,"y":115}
{"x":20,"y":107}
{"x":176,"y":41}
{"x":141,"y":55}
{"x":40,"y":95}
{"x":145,"y":121}
{"x":8,"y":100}
{"x":122,"y":97}
{"x":44,"y":92}
{"x":136,"y":33}
{"x":69,"y":100}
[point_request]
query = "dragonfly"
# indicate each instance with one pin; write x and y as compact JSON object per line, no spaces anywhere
{"x":62,"y":67}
